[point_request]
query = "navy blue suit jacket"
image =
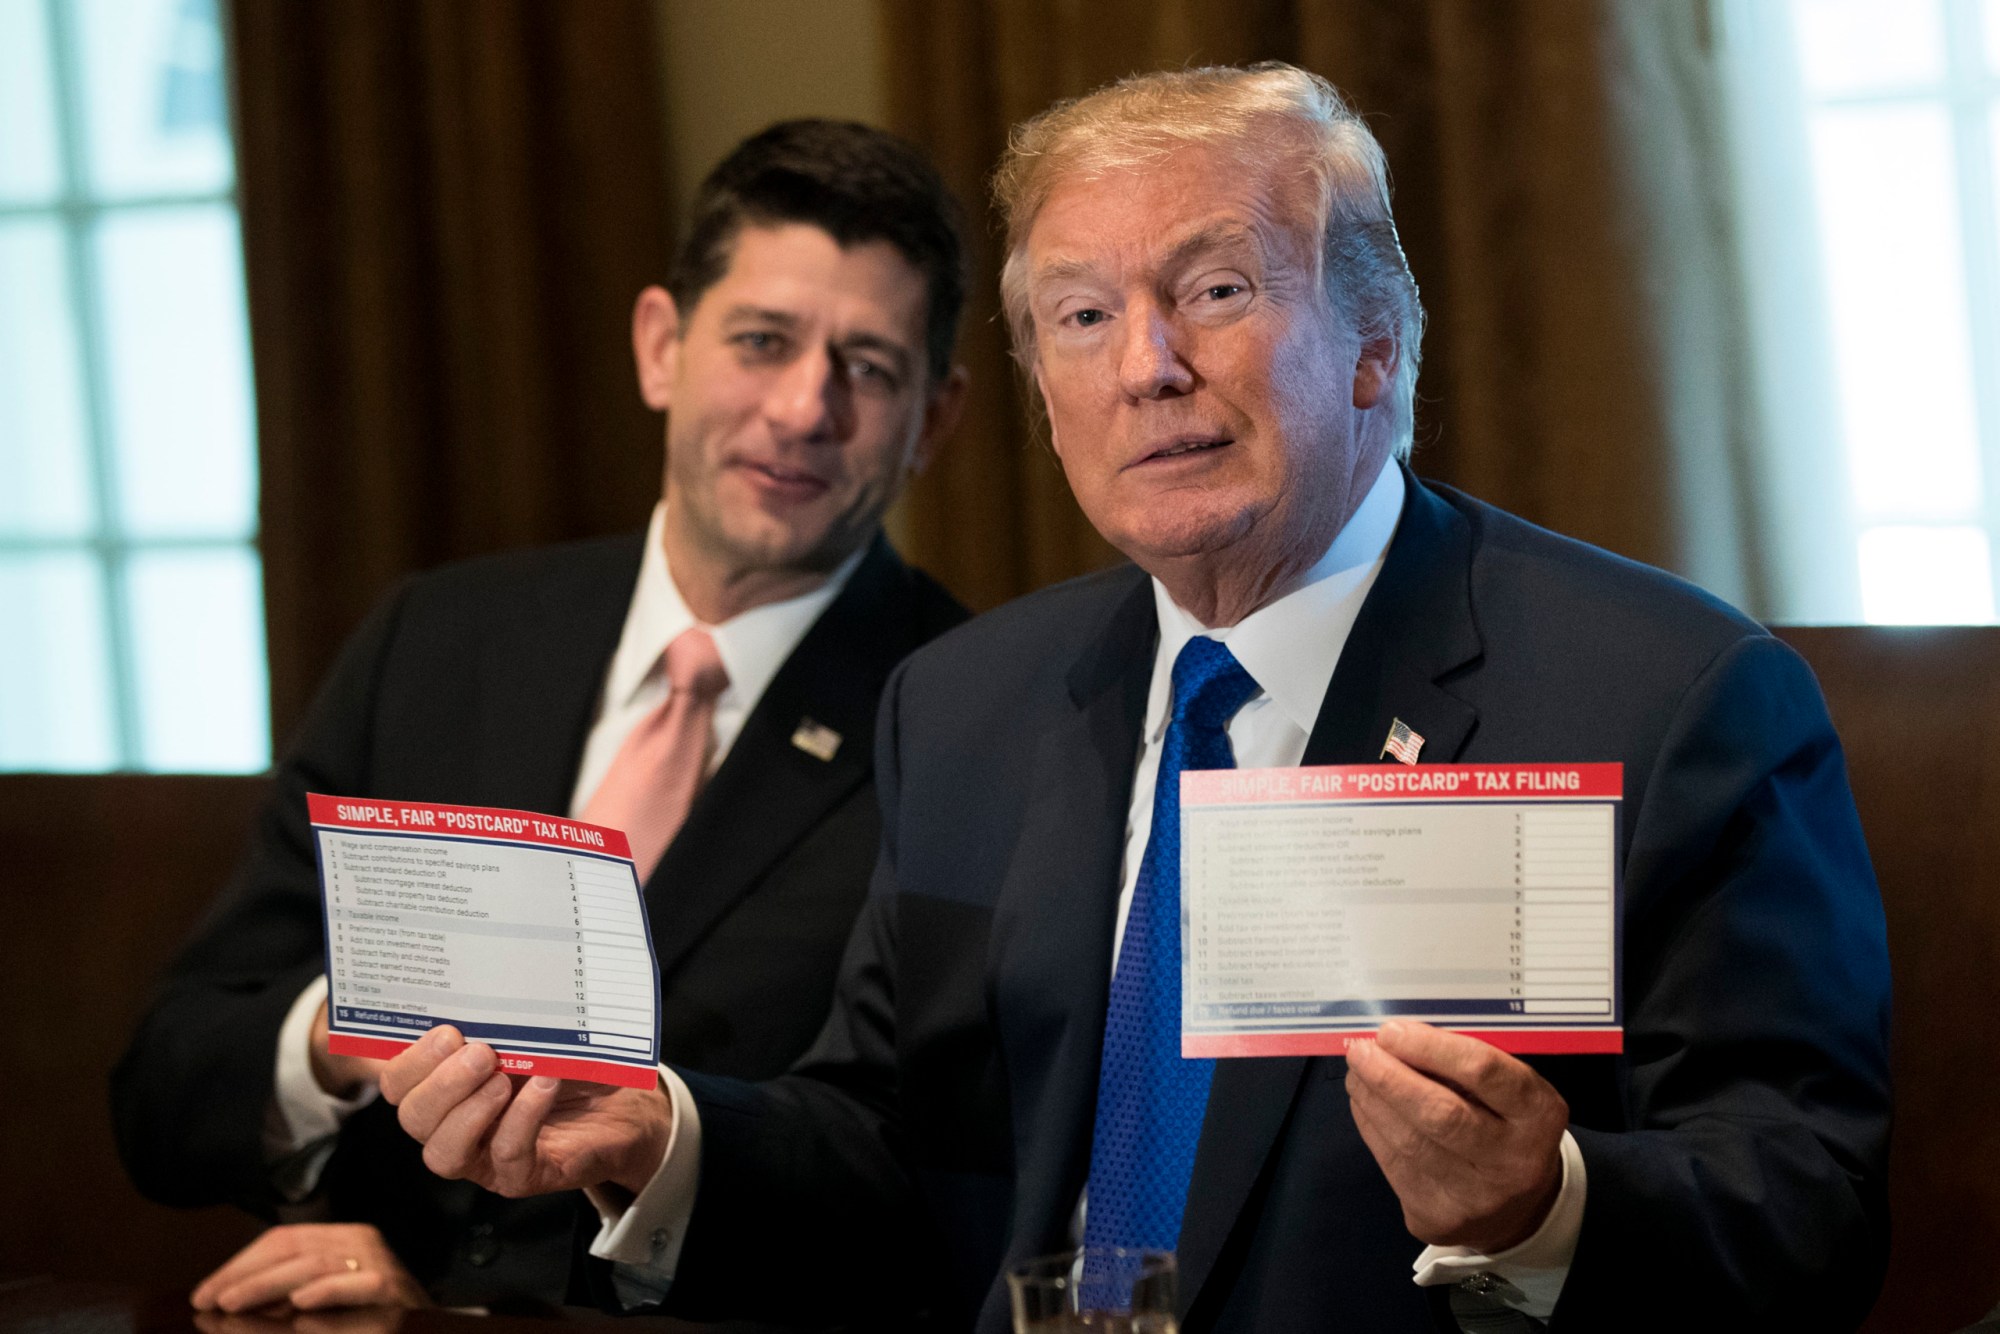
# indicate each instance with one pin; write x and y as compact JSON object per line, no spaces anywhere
{"x":940,"y":1128}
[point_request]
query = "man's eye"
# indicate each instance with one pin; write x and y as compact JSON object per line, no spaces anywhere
{"x":1085,"y":318}
{"x":1223,"y":291}
{"x":865,"y":372}
{"x":760,"y":341}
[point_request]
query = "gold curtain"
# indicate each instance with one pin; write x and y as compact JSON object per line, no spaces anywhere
{"x":1562,"y":193}
{"x":448,"y":208}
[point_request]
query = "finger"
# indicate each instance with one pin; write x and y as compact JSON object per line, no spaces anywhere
{"x":273,"y":1246}
{"x":427,"y":1105}
{"x":1410,"y":1157}
{"x":415,"y":1063}
{"x":456,"y":1144}
{"x":274,"y":1283}
{"x":1391,"y":1139}
{"x":365,"y":1287}
{"x":1417,"y":1091}
{"x":270,"y":1247}
{"x":1419,"y":1113}
{"x":1387,"y":1153}
{"x":514,"y":1138}
{"x":1503,"y":1083}
{"x":1435,"y":1210}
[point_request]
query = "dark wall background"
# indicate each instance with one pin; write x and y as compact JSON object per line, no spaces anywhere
{"x":100,"y":878}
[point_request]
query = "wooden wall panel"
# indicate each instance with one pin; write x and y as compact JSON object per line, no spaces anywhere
{"x":101,"y":878}
{"x":1919,"y":713}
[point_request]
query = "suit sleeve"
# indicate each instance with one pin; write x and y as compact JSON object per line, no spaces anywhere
{"x":1746,"y":1183}
{"x":803,"y":1173}
{"x":190,"y":1096}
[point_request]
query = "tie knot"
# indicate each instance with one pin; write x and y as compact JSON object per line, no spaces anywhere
{"x":1209,"y":684}
{"x":694,"y":666}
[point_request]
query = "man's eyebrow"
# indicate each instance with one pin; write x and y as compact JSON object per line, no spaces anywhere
{"x":1215,"y":236}
{"x":1063,"y":270}
{"x":765,"y":314}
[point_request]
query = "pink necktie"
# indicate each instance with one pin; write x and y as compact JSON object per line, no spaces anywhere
{"x":659,"y":768}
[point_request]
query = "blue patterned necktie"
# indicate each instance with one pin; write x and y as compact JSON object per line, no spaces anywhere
{"x":1150,"y":1100}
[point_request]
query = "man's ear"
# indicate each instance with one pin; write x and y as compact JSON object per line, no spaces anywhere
{"x":941,"y":414}
{"x":1374,"y":372}
{"x":656,"y":346}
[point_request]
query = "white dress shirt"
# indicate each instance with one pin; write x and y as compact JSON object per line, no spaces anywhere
{"x":300,"y":1128}
{"x":1290,"y":646}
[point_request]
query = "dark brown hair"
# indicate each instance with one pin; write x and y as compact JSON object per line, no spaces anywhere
{"x":853,"y":182}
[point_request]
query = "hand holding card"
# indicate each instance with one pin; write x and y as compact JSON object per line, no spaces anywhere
{"x":1469,"y":1137}
{"x":520,"y":1137}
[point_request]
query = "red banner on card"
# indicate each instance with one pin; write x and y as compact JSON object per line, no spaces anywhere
{"x":1520,"y":1041}
{"x":376,"y":816}
{"x":1404,"y":782}
{"x":512,"y":1061}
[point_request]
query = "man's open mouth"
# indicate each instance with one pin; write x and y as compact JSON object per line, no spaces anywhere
{"x":783,"y":476}
{"x":1189,"y":446}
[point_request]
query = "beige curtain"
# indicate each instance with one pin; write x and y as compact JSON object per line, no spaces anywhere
{"x":1563,"y":194}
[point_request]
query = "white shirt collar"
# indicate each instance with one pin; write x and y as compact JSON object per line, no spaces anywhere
{"x":752,"y":644}
{"x":1291,"y":644}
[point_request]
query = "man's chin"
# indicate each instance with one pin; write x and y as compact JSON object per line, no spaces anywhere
{"x":1177,"y":540}
{"x":814,"y":551}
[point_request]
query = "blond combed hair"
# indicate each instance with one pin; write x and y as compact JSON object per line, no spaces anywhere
{"x":1262,"y":114}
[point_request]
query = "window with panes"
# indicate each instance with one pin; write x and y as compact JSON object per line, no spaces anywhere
{"x":131,"y":606}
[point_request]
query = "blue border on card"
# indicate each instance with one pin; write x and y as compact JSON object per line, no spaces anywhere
{"x":397,"y":1024}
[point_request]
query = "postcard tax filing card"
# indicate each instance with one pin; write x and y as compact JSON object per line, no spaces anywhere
{"x":526,"y":932}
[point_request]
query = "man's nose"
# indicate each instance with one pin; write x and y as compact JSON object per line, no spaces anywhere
{"x":809,"y":399}
{"x":1151,"y":361}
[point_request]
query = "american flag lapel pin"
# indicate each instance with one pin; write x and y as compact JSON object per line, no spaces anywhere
{"x":816,"y":739}
{"x":1402,"y":743}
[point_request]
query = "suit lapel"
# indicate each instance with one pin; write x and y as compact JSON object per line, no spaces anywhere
{"x":1415,"y":627}
{"x":542,"y":681}
{"x":769,"y":793}
{"x":1057,"y":910}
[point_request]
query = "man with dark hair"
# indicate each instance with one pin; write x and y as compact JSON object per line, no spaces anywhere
{"x":710,"y":688}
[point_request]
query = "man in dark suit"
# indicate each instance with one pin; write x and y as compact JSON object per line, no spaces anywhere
{"x":803,"y":355}
{"x":1204,"y":280}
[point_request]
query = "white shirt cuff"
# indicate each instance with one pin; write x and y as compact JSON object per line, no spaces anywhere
{"x":1528,"y":1277}
{"x":643,"y":1237}
{"x":303,"y":1116}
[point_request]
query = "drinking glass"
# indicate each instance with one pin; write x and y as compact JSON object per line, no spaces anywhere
{"x":1103,"y":1289}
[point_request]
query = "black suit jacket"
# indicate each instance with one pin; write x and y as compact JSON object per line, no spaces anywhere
{"x":477,"y":685}
{"x":1735,"y":1151}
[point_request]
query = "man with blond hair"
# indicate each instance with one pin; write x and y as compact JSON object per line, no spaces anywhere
{"x":1205,"y":287}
